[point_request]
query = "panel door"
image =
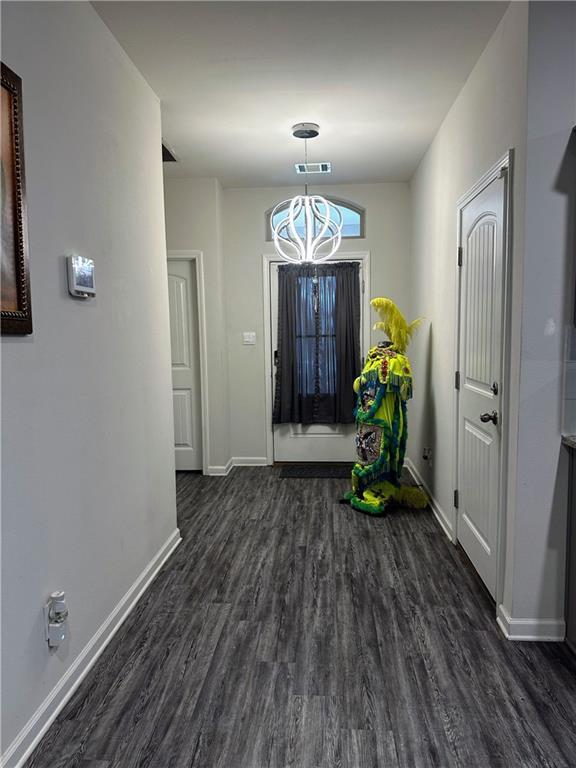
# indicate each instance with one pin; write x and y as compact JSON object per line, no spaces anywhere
{"x":481,"y":329}
{"x":183,"y":303}
{"x":311,"y":442}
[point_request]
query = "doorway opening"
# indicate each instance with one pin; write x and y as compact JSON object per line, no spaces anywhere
{"x":188,"y":357}
{"x":311,"y":442}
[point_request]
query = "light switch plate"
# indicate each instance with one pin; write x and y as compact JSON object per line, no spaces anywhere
{"x":249,"y":337}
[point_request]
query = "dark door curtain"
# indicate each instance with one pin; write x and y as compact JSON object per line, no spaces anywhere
{"x":318,"y":343}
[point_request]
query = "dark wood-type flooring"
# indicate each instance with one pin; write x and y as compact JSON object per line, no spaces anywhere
{"x":289,"y":630}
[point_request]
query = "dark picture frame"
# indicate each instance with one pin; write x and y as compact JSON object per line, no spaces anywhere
{"x":15,"y":303}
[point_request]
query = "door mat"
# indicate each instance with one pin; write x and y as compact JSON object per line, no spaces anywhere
{"x":320,"y":470}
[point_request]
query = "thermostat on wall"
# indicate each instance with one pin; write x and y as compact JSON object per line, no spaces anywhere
{"x":81,"y":276}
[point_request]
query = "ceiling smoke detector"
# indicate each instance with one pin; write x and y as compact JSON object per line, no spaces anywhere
{"x":305,"y":130}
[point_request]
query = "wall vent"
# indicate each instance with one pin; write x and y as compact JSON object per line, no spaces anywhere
{"x":313,"y":168}
{"x":167,"y":155}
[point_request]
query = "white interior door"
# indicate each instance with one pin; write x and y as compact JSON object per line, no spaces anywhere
{"x":480,"y":362}
{"x":312,"y":442}
{"x":183,"y":300}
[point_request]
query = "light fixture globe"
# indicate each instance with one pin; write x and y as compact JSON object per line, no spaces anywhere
{"x":322,"y":229}
{"x":319,"y":221}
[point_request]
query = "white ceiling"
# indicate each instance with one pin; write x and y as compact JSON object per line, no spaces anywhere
{"x":234,"y":76}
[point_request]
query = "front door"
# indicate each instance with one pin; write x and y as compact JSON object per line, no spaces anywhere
{"x":311,"y":442}
{"x":183,"y":302}
{"x":480,"y":362}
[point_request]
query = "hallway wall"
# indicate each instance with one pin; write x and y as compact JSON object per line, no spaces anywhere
{"x":388,"y":240}
{"x":487,"y":119}
{"x":521,"y":94}
{"x":537,"y":531}
{"x":194,"y":222}
{"x":88,"y":497}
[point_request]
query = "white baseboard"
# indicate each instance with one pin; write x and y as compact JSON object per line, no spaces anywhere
{"x":440,"y":515}
{"x":535,"y":630}
{"x":250,"y":461}
{"x":28,"y":738}
{"x":237,"y":461}
{"x":222,"y":471}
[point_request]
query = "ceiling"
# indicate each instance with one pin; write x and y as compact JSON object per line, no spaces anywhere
{"x":233,"y":77}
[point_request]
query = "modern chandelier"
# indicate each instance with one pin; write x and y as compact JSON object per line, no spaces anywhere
{"x":321,"y":219}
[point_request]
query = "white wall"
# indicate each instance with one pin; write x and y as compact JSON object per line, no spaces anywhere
{"x":387,"y":238}
{"x":535,"y":588}
{"x":88,"y":496}
{"x":520,"y":95}
{"x":194,"y":222}
{"x":487,"y":119}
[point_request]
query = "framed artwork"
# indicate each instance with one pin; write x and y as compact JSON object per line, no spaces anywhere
{"x":15,"y":305}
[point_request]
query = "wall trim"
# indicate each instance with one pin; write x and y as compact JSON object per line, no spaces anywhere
{"x":439,"y":513}
{"x":219,"y":470}
{"x":249,"y":461}
{"x":540,"y":630}
{"x":237,"y":461}
{"x":31,"y":734}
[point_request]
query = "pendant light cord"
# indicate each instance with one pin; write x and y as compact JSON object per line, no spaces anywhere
{"x":306,"y":167}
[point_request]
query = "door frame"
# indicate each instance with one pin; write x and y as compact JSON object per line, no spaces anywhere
{"x":267,"y":260}
{"x":197,"y":258}
{"x":503,"y":168}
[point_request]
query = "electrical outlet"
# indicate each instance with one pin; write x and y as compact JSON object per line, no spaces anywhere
{"x":56,"y":619}
{"x":427,"y":454}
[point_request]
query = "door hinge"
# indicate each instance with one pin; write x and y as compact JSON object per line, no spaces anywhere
{"x":457,"y":380}
{"x":459,"y":255}
{"x":363,"y":286}
{"x":456,"y":499}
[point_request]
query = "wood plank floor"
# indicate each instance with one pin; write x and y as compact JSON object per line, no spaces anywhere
{"x":289,"y":630}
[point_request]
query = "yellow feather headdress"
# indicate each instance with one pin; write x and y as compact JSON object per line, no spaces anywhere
{"x":394,"y":324}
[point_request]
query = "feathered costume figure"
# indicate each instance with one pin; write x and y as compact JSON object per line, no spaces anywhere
{"x":383,"y":388}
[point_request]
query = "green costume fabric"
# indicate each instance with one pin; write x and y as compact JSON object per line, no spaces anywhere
{"x":383,"y":388}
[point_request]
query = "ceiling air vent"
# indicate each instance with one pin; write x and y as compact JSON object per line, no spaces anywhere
{"x":313,"y":168}
{"x":167,"y":155}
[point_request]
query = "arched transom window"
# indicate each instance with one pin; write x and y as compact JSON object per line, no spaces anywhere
{"x":353,"y":219}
